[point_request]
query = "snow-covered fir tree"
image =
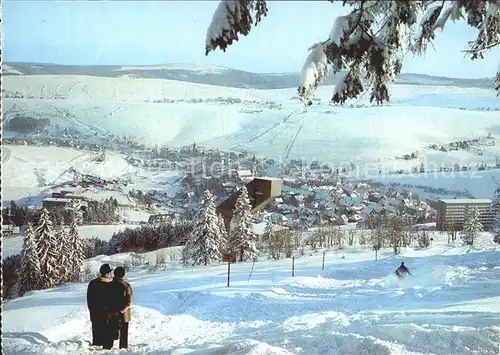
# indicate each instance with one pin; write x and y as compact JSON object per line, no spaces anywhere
{"x":77,"y":213}
{"x":30,"y":273}
{"x":367,"y":45}
{"x":205,"y":242}
{"x":47,"y":250}
{"x":496,"y":218}
{"x":242,"y":238}
{"x":77,"y":255}
{"x":267,"y":236}
{"x":472,"y":226}
{"x":64,"y":263}
{"x":223,"y":232}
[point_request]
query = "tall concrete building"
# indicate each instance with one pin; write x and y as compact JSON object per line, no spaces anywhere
{"x":261,"y":192}
{"x":451,"y":213}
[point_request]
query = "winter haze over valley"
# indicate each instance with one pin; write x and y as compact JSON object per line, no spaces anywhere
{"x":251,"y":218}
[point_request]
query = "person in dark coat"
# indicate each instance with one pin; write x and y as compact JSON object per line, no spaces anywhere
{"x":98,"y":292}
{"x":121,"y":307}
{"x":402,"y":271}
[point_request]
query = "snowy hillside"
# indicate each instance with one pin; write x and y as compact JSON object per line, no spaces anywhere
{"x":215,"y":75}
{"x":479,"y":184}
{"x":354,"y":307}
{"x":32,"y":173}
{"x":30,"y":170}
{"x":178,"y":113}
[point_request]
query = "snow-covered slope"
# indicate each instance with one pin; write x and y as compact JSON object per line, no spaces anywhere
{"x":195,"y":68}
{"x":479,"y":184}
{"x":31,"y":173}
{"x":354,"y":307}
{"x":29,"y":170}
{"x":265,"y":122}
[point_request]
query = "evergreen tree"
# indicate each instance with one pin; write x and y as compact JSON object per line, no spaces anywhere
{"x":243,"y":240}
{"x":224,"y":239}
{"x":205,"y":240}
{"x":472,"y":226}
{"x":77,"y":255}
{"x":267,"y":236}
{"x":496,"y":220}
{"x":47,"y":250}
{"x":30,"y":273}
{"x":77,"y":213}
{"x":64,"y":263}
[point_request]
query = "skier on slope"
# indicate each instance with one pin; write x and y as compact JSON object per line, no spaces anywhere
{"x":402,"y":271}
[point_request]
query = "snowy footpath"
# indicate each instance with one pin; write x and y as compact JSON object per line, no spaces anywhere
{"x":353,"y":307}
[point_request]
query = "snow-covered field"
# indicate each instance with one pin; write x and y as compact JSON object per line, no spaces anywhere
{"x":267,"y":122}
{"x":30,"y":172}
{"x":480,"y":184}
{"x":353,"y":307}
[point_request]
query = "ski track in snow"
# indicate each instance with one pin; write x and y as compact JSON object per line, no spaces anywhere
{"x":349,"y":308}
{"x":86,"y":91}
{"x":266,"y":131}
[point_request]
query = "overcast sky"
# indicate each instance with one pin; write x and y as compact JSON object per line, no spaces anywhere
{"x":147,"y":32}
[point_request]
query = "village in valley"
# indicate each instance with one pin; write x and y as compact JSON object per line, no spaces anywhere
{"x":178,"y":178}
{"x":310,"y":194}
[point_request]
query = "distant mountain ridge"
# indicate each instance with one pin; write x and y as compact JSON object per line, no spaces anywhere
{"x":214,"y":75}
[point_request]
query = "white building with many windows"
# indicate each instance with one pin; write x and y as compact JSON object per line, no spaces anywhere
{"x":451,"y":213}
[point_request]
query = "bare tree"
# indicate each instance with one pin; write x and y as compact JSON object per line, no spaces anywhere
{"x":377,"y":237}
{"x":452,"y":232}
{"x":350,"y":237}
{"x":397,"y":227}
{"x":369,"y":42}
{"x":424,"y":240}
{"x":318,"y":238}
{"x":287,"y":242}
{"x":339,"y":237}
{"x":362,"y":238}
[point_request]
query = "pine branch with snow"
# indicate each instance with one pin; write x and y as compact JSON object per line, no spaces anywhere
{"x":231,"y":18}
{"x":367,"y":45}
{"x":30,"y":272}
{"x":47,"y":250}
{"x":205,"y":242}
{"x":243,"y":240}
{"x":472,"y":226}
{"x":485,"y":16}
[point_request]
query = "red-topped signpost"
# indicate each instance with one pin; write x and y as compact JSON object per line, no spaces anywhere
{"x":228,"y":258}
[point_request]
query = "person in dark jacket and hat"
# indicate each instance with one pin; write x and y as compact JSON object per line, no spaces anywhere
{"x":98,"y":293}
{"x":120,"y":307}
{"x":402,"y":271}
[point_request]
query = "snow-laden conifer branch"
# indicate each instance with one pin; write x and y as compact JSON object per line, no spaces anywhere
{"x":489,"y":30}
{"x":231,"y":18}
{"x":369,"y":42}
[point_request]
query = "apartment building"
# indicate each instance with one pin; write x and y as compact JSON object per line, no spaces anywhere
{"x":451,"y":213}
